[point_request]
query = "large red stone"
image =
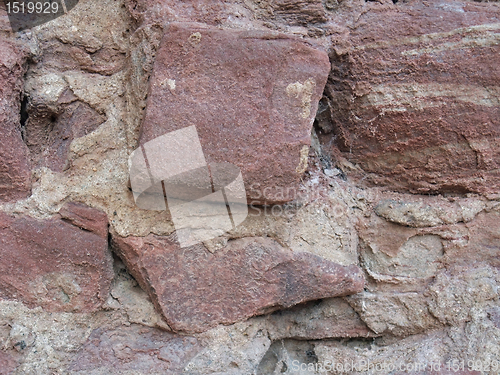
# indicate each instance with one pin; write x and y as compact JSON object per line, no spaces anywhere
{"x":252,"y":96}
{"x":55,"y":264}
{"x":196,"y":290}
{"x":15,"y":173}
{"x":414,"y":96}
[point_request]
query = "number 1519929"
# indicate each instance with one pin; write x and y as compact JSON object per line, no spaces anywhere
{"x":40,"y":7}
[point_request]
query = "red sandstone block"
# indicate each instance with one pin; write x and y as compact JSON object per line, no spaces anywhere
{"x":252,"y":96}
{"x":55,"y":264}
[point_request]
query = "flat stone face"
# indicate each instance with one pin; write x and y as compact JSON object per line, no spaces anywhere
{"x":54,"y":264}
{"x":196,"y":290}
{"x":415,"y":96}
{"x":15,"y":171}
{"x":86,"y":218}
{"x":252,"y":96}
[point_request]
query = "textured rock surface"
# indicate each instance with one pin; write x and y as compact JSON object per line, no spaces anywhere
{"x":251,"y":95}
{"x":49,"y":132}
{"x":390,"y":313}
{"x":15,"y":174}
{"x":414,"y":96}
{"x":293,"y":12}
{"x":85,"y":218}
{"x":54,"y":264}
{"x":135,"y":348}
{"x":197,"y":290}
{"x":430,"y":261}
{"x":331,"y":317}
{"x":431,"y":213}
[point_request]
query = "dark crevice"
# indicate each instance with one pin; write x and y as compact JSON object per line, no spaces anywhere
{"x":110,"y":243}
{"x":24,"y":116}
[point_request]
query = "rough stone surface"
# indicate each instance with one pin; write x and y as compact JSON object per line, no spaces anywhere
{"x":282,"y":354}
{"x":431,"y":213}
{"x":54,"y":264}
{"x":293,"y":12}
{"x":86,"y":218}
{"x":484,"y":235}
{"x":398,"y":314}
{"x":197,"y":290}
{"x":332,"y":317}
{"x":49,"y":132}
{"x":431,"y":261}
{"x":15,"y":173}
{"x":414,"y":96}
{"x":129,"y":296}
{"x":134,"y":348}
{"x":398,"y":254}
{"x":453,"y":302}
{"x":8,"y":362}
{"x":251,"y":95}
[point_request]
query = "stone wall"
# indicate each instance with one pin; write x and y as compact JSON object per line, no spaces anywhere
{"x":367,"y":136}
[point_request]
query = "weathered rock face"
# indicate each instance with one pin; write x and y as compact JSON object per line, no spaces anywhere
{"x":50,"y":131}
{"x":8,"y":362}
{"x":197,"y":290}
{"x":484,"y":234}
{"x":251,"y":95}
{"x":293,"y":12}
{"x":86,"y":218}
{"x":430,"y":262}
{"x":389,"y":313}
{"x":15,"y":171}
{"x":331,"y":317}
{"x":56,"y":264}
{"x":455,"y":303}
{"x":414,"y":96}
{"x":135,"y":348}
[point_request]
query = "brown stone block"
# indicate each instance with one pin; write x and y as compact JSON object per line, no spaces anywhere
{"x":86,"y":218}
{"x":54,"y":264}
{"x":415,"y":99}
{"x":251,"y":95}
{"x":197,"y":290}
